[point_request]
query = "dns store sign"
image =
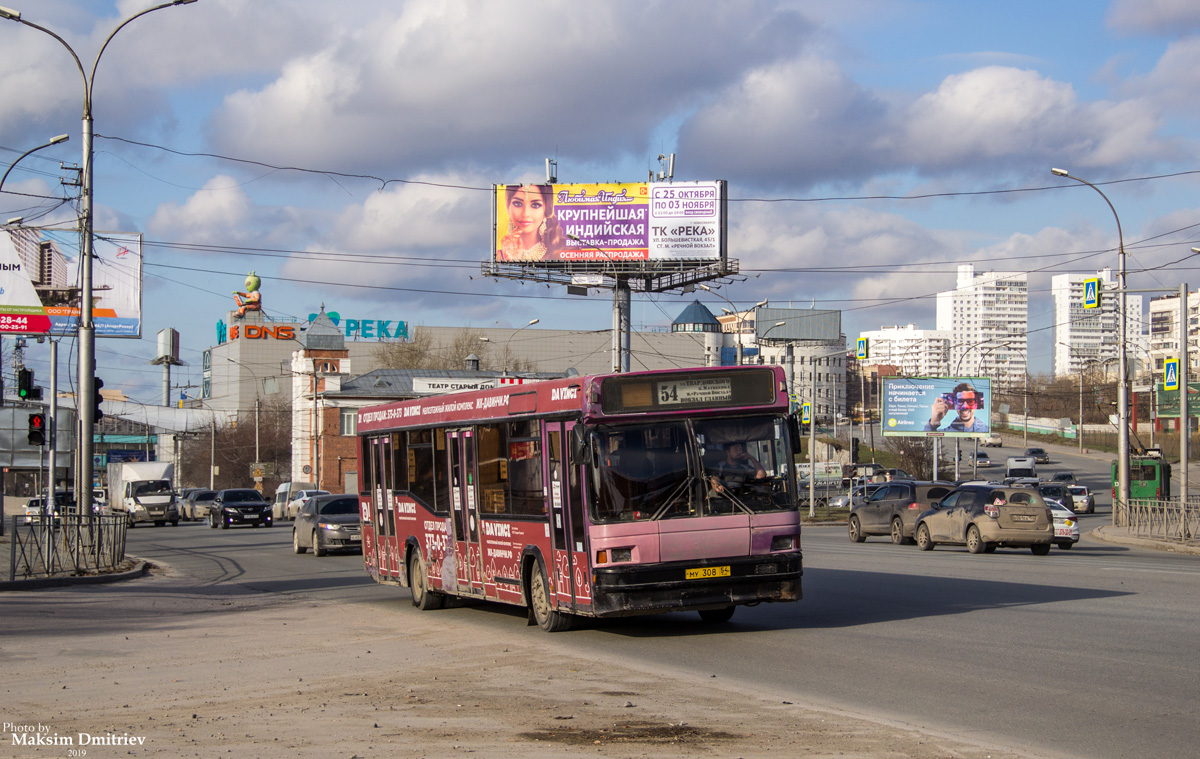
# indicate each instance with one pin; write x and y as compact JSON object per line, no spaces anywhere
{"x":255,"y":332}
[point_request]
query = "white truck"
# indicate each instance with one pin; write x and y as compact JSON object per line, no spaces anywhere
{"x":142,"y":491}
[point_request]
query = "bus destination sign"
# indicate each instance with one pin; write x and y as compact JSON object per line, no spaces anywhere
{"x":702,"y":390}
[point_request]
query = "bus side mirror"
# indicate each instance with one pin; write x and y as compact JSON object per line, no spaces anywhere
{"x":578,"y":444}
{"x":794,"y":433}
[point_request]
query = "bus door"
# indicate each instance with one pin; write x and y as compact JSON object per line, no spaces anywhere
{"x":468,"y":559}
{"x":385,"y":521}
{"x":572,"y":582}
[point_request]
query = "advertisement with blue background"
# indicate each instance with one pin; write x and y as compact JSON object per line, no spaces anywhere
{"x":937,"y":406}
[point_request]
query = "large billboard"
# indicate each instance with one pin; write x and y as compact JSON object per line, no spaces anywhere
{"x":39,"y":284}
{"x":603,"y":223}
{"x":937,"y":406}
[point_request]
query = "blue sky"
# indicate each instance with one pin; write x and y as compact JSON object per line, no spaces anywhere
{"x":791,"y":102}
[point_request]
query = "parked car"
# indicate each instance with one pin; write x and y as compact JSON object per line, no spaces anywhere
{"x":327,"y":522}
{"x":35,"y":507}
{"x":992,"y":441}
{"x":1066,"y":527}
{"x":239,"y":506}
{"x":857,"y":495}
{"x":982,"y":460}
{"x":1065,"y":477}
{"x":1057,"y":492}
{"x":195,"y":505}
{"x":1083,"y":498}
{"x":297,"y":503}
{"x":984,"y":517}
{"x":1038,"y":454}
{"x":893,"y":508}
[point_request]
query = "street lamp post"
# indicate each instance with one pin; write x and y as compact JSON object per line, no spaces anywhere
{"x":1123,"y":484}
{"x":257,"y":387}
{"x":53,"y":141}
{"x":504,"y":357}
{"x":812,"y":434}
{"x":735,"y":314}
{"x":87,"y":330}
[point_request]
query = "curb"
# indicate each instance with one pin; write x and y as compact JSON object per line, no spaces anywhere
{"x":1105,"y":534}
{"x":41,"y":583}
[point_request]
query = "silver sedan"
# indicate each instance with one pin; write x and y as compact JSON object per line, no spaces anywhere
{"x":327,"y":522}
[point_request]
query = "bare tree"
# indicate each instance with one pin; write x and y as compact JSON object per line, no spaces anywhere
{"x":913,"y":454}
{"x":418,"y":352}
{"x":233,"y":450}
{"x":422,"y":351}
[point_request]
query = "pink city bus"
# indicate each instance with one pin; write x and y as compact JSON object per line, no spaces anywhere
{"x":602,"y":496}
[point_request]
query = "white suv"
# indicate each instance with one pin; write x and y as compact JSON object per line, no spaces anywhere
{"x":993,"y":440}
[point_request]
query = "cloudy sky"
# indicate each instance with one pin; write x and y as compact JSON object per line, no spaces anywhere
{"x":346,"y":152}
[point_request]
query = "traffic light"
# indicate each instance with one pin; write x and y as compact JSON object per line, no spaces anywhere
{"x":854,"y":450}
{"x":24,"y":383}
{"x":97,"y":399}
{"x":37,"y":429}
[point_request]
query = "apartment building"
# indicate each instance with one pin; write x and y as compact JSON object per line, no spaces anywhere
{"x":987,"y":316}
{"x":1092,"y":336}
{"x":912,"y":351}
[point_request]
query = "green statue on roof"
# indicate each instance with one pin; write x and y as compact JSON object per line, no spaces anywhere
{"x":251,"y":300}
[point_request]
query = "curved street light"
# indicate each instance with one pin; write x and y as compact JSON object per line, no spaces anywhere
{"x":13,"y":165}
{"x":735,"y":313}
{"x":1123,"y":484}
{"x":86,"y":328}
{"x":505,"y":357}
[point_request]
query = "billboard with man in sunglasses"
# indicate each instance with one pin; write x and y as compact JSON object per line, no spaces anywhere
{"x":942,"y":406}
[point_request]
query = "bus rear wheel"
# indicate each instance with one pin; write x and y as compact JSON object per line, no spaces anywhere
{"x":539,"y":600}
{"x":422,"y":597}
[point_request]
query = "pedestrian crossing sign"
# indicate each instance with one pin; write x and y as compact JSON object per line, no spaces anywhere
{"x":1091,"y":293}
{"x":862,"y":349}
{"x":1171,"y":374}
{"x":805,"y":413}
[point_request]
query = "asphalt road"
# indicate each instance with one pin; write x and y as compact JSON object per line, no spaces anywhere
{"x":1088,"y":652}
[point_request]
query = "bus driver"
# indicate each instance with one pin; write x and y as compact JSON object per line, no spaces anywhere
{"x":738,"y":463}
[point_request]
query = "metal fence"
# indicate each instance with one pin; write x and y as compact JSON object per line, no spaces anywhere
{"x":1161,"y":520}
{"x":66,"y":545}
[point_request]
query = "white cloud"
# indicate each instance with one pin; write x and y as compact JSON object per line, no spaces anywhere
{"x":1168,"y":17}
{"x":998,"y":115}
{"x":1177,"y":71}
{"x":806,"y":123}
{"x":220,"y":213}
{"x":434,"y":82}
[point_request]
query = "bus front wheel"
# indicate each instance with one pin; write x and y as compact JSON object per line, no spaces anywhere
{"x":422,"y":597}
{"x":539,"y":600}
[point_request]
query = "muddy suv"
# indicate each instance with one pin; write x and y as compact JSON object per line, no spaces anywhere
{"x":893,"y":509}
{"x":984,"y":517}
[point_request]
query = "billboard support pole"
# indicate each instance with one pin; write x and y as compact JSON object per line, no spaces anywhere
{"x":936,"y":455}
{"x":621,"y":320}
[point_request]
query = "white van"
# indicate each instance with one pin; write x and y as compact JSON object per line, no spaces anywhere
{"x":284,"y":494}
{"x":1023,"y":467}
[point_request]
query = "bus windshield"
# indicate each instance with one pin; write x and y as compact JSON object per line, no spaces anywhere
{"x":690,"y":468}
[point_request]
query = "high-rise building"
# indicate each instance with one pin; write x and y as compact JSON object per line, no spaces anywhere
{"x":987,"y":316}
{"x":1163,"y":336}
{"x":1086,"y":336}
{"x":915,"y":352}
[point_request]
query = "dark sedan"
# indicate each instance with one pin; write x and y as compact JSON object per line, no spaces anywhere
{"x":239,"y":506}
{"x":327,"y":522}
